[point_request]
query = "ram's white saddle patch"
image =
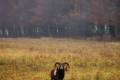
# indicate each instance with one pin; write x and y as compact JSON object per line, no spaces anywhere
{"x":55,"y":72}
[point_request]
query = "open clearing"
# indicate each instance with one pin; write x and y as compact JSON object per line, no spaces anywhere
{"x":32,"y":59}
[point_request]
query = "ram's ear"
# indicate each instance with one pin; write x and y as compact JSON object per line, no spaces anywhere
{"x":66,"y":66}
{"x":57,"y":64}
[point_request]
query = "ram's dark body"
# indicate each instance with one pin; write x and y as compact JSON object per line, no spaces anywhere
{"x":59,"y":72}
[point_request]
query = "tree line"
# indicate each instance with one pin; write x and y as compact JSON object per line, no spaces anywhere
{"x":59,"y":30}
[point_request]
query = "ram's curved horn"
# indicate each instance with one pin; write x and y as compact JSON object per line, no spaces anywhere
{"x":57,"y":64}
{"x":66,"y":65}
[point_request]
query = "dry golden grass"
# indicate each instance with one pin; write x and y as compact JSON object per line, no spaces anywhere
{"x":32,"y":59}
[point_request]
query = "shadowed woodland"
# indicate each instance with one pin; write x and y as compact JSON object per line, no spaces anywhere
{"x":60,"y":18}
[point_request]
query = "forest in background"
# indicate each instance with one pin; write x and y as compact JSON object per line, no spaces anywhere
{"x":59,"y":18}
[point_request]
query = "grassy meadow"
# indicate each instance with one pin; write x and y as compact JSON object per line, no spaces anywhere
{"x":32,"y":59}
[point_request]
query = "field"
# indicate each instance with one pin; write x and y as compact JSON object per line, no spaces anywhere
{"x":32,"y":59}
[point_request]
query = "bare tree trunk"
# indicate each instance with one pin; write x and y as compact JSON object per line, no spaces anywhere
{"x":112,"y":31}
{"x":22,"y":32}
{"x":6,"y":32}
{"x":1,"y":32}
